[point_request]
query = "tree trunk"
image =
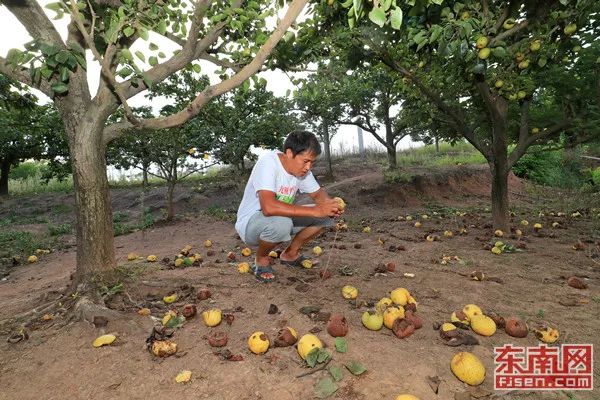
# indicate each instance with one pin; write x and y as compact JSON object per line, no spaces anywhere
{"x":170,"y":206}
{"x":437,"y":145}
{"x":4,"y":170}
{"x":390,"y":146}
{"x":499,"y":166}
{"x":327,"y":148}
{"x":145,"y":167}
{"x":95,"y":236}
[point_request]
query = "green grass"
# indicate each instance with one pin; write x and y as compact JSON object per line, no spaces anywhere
{"x":221,"y":213}
{"x":60,"y":229}
{"x":427,"y":156}
{"x":20,"y":243}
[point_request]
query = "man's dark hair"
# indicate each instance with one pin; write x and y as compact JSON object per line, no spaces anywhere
{"x":299,"y":141}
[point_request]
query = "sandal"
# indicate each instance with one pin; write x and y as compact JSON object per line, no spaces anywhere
{"x":297,"y":263}
{"x":261,"y":270}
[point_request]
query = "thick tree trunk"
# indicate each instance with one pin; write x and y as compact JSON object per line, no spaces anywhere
{"x":95,"y":237}
{"x":437,"y":145}
{"x":327,"y":148}
{"x":389,"y":142}
{"x":499,"y":166}
{"x":145,"y":167}
{"x":4,"y":170}
{"x":391,"y":156}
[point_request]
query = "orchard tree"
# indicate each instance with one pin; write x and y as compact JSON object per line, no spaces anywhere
{"x":231,"y":34}
{"x":488,"y":67}
{"x":26,"y":128}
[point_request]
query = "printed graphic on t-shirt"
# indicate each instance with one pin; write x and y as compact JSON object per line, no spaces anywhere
{"x":286,"y":194}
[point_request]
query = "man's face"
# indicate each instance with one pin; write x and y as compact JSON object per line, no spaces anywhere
{"x":301,"y":163}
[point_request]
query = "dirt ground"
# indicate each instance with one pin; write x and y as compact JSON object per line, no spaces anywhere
{"x":61,"y":363}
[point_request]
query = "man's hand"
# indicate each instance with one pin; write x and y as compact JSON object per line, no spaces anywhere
{"x":327,"y":208}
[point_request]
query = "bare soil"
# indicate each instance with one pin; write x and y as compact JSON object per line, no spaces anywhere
{"x":59,"y":363}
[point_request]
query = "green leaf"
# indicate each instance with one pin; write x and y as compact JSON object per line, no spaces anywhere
{"x":62,"y":56}
{"x":542,"y":62}
{"x":161,"y":54}
{"x":358,"y":4}
{"x":46,"y":72}
{"x":54,"y":6}
{"x":153,"y":61}
{"x":153,"y":46}
{"x":386,"y":4}
{"x":64,"y":74}
{"x":436,"y":32}
{"x":148,"y":84}
{"x":377,"y":16}
{"x":325,"y":388}
{"x":355,"y":368}
{"x":140,"y":55}
{"x":196,"y":68}
{"x":128,"y":31}
{"x":499,"y":52}
{"x":59,"y":87}
{"x":127,"y":54}
{"x":336,"y":373}
{"x":311,"y":358}
{"x":396,"y":18}
{"x":341,"y":345}
{"x":323,"y":356}
{"x":48,"y":49}
{"x":162,"y":27}
{"x":124,"y":72}
{"x":143,"y":32}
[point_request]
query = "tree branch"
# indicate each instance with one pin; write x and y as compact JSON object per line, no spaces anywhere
{"x":31,"y":15}
{"x":512,"y":31}
{"x":485,"y":7}
{"x":503,"y":16}
{"x":22,"y":75}
{"x":221,"y":63}
{"x":116,"y":130}
{"x":527,"y":141}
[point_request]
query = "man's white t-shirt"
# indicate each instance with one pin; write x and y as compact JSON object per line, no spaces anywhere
{"x":269,"y":174}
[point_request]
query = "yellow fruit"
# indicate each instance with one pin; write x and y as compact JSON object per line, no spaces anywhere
{"x":425,"y":216}
{"x":555,"y":224}
{"x":535,"y":131}
{"x":167,"y":317}
{"x":409,"y":218}
{"x":179,"y":262}
{"x":243,"y":268}
{"x":430,"y":238}
{"x":406,"y":397}
{"x":524,"y":64}
{"x":498,"y":233}
{"x":383,"y":303}
{"x":273,"y":254}
{"x":537,"y":226}
{"x":417,"y":224}
{"x":212,"y":317}
{"x":341,"y":203}
{"x":317,"y":251}
{"x":144,"y":311}
{"x":499,"y":244}
{"x":535,"y":45}
{"x":170,"y":299}
{"x":164,"y":348}
{"x":367,"y":229}
{"x":391,"y":314}
{"x":499,"y":83}
{"x":307,"y":343}
{"x":465,"y":15}
{"x":518,"y":232}
{"x":258,"y":343}
{"x":447,"y":326}
{"x":496,"y":250}
{"x":483,"y":325}
{"x":32,"y":259}
{"x":349,"y":292}
{"x":246,"y":251}
{"x":372,"y":320}
{"x":524,"y":222}
{"x":151,"y":258}
{"x":183,"y":377}
{"x":548,"y":335}
{"x":186,"y":249}
{"x":103,"y":340}
{"x":468,"y":368}
{"x":448,"y":233}
{"x":207,"y":243}
{"x":482,"y":42}
{"x":400,"y":296}
{"x":471,"y":310}
{"x":484,"y":53}
{"x":411,"y":300}
{"x":132,"y":257}
{"x":307,"y":264}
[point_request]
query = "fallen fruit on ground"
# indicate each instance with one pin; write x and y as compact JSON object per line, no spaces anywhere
{"x":183,"y":377}
{"x":337,"y":326}
{"x":258,"y":343}
{"x":383,"y":303}
{"x":367,"y":229}
{"x":400,"y":296}
{"x":471,"y":310}
{"x":317,"y":251}
{"x":164,"y":348}
{"x":372,"y":320}
{"x":307,"y":343}
{"x":406,"y":397}
{"x":178,"y":262}
{"x":32,"y":259}
{"x":483,"y":325}
{"x":273,"y":254}
{"x":170,"y":299}
{"x":515,"y":327}
{"x":189,"y":311}
{"x":417,"y":224}
{"x":132,"y":257}
{"x":307,"y":264}
{"x":207,"y":243}
{"x":104,"y":340}
{"x":212,"y":317}
{"x":537,"y":226}
{"x":286,"y":337}
{"x":246,"y":251}
{"x":498,"y":233}
{"x":217,"y":339}
{"x":402,"y":328}
{"x":151,"y":258}
{"x":391,"y":314}
{"x":448,"y":234}
{"x":349,"y":292}
{"x":203,"y":294}
{"x":496,"y":250}
{"x":468,"y":368}
{"x":547,"y":334}
{"x":243,"y":268}
{"x":460,"y":319}
{"x":576,"y":283}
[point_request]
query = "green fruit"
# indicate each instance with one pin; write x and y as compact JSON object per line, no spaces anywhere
{"x":499,"y":84}
{"x":509,"y":23}
{"x":535,"y":45}
{"x":524,"y":64}
{"x":570,"y":29}
{"x":482,"y":42}
{"x":484,"y":53}
{"x":512,"y":96}
{"x":521,"y":94}
{"x":465,"y":15}
{"x":576,"y":49}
